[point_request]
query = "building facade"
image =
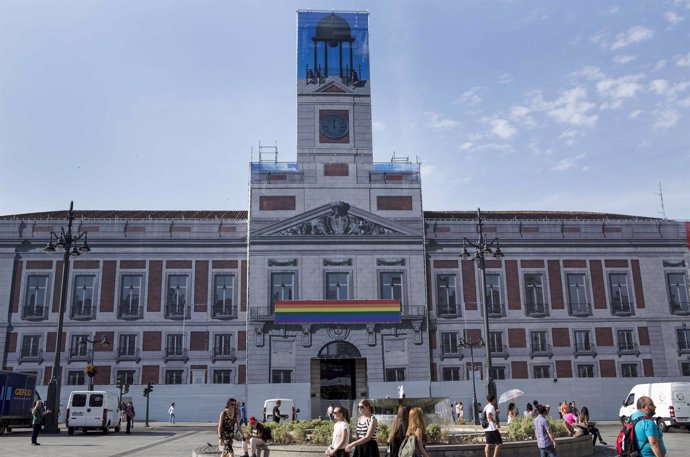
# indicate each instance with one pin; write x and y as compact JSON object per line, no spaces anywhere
{"x":336,"y":284}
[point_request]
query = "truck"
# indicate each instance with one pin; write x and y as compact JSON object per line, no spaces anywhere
{"x":17,"y":397}
{"x":672,"y":401}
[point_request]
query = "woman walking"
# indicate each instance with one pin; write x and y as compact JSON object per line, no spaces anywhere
{"x":594,"y":431}
{"x":341,"y":433}
{"x":398,"y":431}
{"x":227,"y":424}
{"x":417,"y":429}
{"x":37,"y":414}
{"x":367,"y":426}
{"x":171,"y":414}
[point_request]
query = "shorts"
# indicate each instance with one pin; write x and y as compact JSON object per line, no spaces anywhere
{"x":493,"y":437}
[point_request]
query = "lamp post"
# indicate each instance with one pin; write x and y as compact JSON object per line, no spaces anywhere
{"x":66,"y":242}
{"x":83,"y":341}
{"x":473,"y":344}
{"x":482,"y":248}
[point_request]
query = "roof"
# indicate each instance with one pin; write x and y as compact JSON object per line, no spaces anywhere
{"x":534,"y":215}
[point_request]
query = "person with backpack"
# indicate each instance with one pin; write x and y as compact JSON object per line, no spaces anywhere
{"x":398,"y":431}
{"x":259,"y":437}
{"x":413,"y":446}
{"x":545,"y":440}
{"x":367,"y":426}
{"x":341,"y":433}
{"x":648,"y":438}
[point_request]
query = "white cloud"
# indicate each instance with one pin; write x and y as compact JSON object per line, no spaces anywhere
{"x":466,"y":146}
{"x":470,"y":97}
{"x":623,"y":59}
{"x":670,"y":91}
{"x":616,"y":90}
{"x":505,"y":78}
{"x":571,"y":107}
{"x":673,"y":18}
{"x":683,"y":61}
{"x":440,"y":121}
{"x":568,"y":163}
{"x":502,"y":128}
{"x":614,"y":9}
{"x":519,"y":112}
{"x":591,"y":73}
{"x":644,"y":144}
{"x":635,"y":34}
{"x":377,"y":126}
{"x":659,"y":65}
{"x":664,"y":119}
{"x":635,"y":114}
{"x":500,"y":147}
{"x":569,"y":136}
{"x":685,"y":103}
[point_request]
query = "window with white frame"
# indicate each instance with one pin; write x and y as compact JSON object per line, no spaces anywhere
{"x":76,"y":378}
{"x":450,"y":374}
{"x":578,"y":296}
{"x":222,"y":376}
{"x":223,"y":298}
{"x":498,"y":372}
{"x":77,"y":347}
{"x":583,"y":342}
{"x":626,"y":340}
{"x":535,"y":304}
{"x":619,"y":289}
{"x":493,"y":295}
{"x":541,"y":371}
{"x":391,"y":285}
{"x":337,"y":285}
{"x":281,"y":376}
{"x":222,"y":345}
{"x":127,"y":345}
{"x":83,"y":297}
{"x":395,"y":374}
{"x":538,"y":343}
{"x":585,"y":370}
{"x":629,"y":370}
{"x":446,"y":294}
{"x":31,"y":347}
{"x":282,"y":287}
{"x":678,"y":292}
{"x":496,"y":342}
{"x":177,"y":296}
{"x":175,"y":345}
{"x":130,"y":297}
{"x":35,"y":301}
{"x":475,"y":371}
{"x":683,"y":338}
{"x":174,"y":376}
{"x":449,"y":343}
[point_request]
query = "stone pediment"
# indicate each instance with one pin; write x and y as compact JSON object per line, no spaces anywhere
{"x":334,"y":87}
{"x":336,"y":219}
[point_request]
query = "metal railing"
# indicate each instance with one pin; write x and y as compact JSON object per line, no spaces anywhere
{"x":128,"y":311}
{"x":621,"y":308}
{"x":393,"y":177}
{"x":34,"y":312}
{"x":536,"y":309}
{"x":127,"y":354}
{"x":680,"y":307}
{"x":628,"y":349}
{"x":541,"y":351}
{"x":176,"y":354}
{"x":413,"y":311}
{"x":221,"y":311}
{"x":220,"y":353}
{"x":264,"y":313}
{"x":495,"y":309}
{"x":585,"y":349}
{"x":31,"y":356}
{"x":77,"y":354}
{"x":177,"y":311}
{"x":83,"y":312}
{"x":579,"y":309}
{"x":278,"y":177}
{"x":498,"y":351}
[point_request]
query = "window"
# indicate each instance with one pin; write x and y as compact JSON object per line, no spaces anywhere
{"x":626,"y":342}
{"x":585,"y":371}
{"x":534,"y":295}
{"x":395,"y":374}
{"x":175,"y":345}
{"x":281,"y":376}
{"x":451,"y":374}
{"x":620,"y":293}
{"x":222,"y":347}
{"x":449,"y":343}
{"x":391,"y":286}
{"x":282,"y":288}
{"x":477,"y":372}
{"x":629,"y":370}
{"x":176,"y":304}
{"x":223,"y":299}
{"x":538,"y":344}
{"x":76,"y":378}
{"x":492,"y":295}
{"x":96,"y":400}
{"x":542,"y":371}
{"x":83,"y":306}
{"x":77,"y":347}
{"x":35,"y":301}
{"x":31,"y":348}
{"x":685,"y":368}
{"x":678,"y":293}
{"x":583,"y":342}
{"x":127,"y":376}
{"x":130,"y":297}
{"x":577,"y":294}
{"x":222,"y":376}
{"x":496,"y":342}
{"x":128,"y":346}
{"x":446,"y":295}
{"x":173,"y":376}
{"x":683,"y":337}
{"x":498,"y":372}
{"x":337,"y":286}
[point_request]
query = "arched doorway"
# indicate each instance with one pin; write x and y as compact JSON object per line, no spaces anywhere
{"x":338,"y":373}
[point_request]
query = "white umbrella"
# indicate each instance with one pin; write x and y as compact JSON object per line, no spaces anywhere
{"x":510,"y":395}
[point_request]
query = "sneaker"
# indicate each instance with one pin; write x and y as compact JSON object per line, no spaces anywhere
{"x":603,"y":443}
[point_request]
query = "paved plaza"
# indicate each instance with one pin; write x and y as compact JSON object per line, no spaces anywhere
{"x":179,"y":440}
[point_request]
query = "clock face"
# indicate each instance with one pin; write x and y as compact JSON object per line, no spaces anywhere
{"x":334,"y":126}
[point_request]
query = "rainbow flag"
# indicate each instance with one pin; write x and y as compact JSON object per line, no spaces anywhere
{"x":337,"y":311}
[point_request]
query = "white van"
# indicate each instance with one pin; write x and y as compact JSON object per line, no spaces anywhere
{"x":672,"y":401}
{"x":287,"y":409}
{"x":97,"y":410}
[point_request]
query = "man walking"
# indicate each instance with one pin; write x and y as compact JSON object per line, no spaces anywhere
{"x":129,"y":415}
{"x":650,"y":440}
{"x":276,"y":412}
{"x":545,"y":441}
{"x":491,"y":433}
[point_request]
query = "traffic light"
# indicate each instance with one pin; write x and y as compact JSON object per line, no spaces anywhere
{"x":126,"y":388}
{"x":119,"y":382}
{"x":148,"y":389}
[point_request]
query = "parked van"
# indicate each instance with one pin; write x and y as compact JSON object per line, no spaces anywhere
{"x":97,"y":410}
{"x":287,"y":409}
{"x":672,"y":401}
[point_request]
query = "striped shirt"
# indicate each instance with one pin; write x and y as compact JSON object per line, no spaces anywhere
{"x":363,"y":427}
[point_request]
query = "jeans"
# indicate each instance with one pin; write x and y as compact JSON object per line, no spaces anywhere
{"x":548,"y":451}
{"x":34,"y":433}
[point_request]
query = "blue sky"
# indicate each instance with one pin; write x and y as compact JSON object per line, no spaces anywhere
{"x":509,"y":105}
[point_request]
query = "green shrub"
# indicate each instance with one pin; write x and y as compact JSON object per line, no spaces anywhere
{"x":382,"y":433}
{"x":322,"y":433}
{"x":435,"y":434}
{"x":522,"y":429}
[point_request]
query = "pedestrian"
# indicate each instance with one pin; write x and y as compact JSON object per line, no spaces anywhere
{"x":341,"y":433}
{"x":583,"y":420}
{"x":276,"y":412}
{"x":491,"y":433}
{"x":129,"y":416}
{"x":528,"y":411}
{"x":398,"y":430}
{"x":171,"y":413}
{"x":512,"y":413}
{"x":573,"y":406}
{"x":243,"y":414}
{"x":367,"y":426}
{"x":476,"y":412}
{"x":417,"y":429}
{"x":545,"y":440}
{"x":535,"y":411}
{"x":650,"y":440}
{"x":453,"y":411}
{"x":460,"y":412}
{"x":259,"y":437}
{"x":227,"y":424}
{"x":329,"y":412}
{"x":38,"y":412}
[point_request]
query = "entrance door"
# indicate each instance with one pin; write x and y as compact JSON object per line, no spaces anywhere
{"x":337,"y":379}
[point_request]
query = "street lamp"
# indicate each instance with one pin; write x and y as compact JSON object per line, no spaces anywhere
{"x":66,"y":242}
{"x":83,"y":341}
{"x":482,"y":248}
{"x":473,"y":344}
